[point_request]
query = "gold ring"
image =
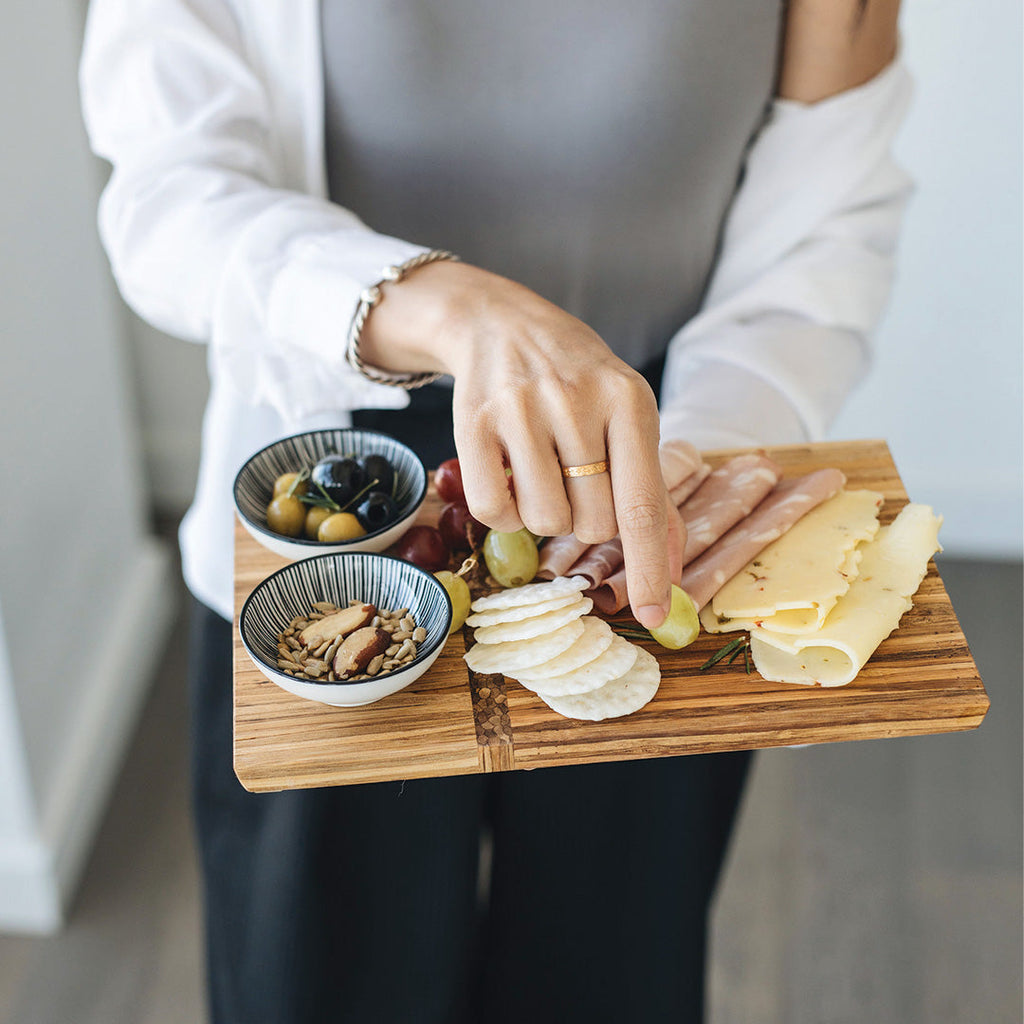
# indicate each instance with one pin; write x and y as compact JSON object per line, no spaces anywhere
{"x":590,"y":469}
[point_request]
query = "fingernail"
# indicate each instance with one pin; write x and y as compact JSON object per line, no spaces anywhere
{"x":650,"y":616}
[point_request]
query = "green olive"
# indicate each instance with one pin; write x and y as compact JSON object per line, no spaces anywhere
{"x":340,"y":526}
{"x":284,"y":482}
{"x":286,"y":516}
{"x":314,"y":517}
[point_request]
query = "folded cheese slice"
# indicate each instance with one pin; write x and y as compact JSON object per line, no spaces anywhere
{"x":891,"y":569}
{"x":792,"y":585}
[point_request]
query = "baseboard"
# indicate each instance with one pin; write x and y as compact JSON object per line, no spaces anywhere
{"x":38,"y":878}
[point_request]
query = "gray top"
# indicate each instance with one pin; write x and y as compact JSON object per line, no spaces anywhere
{"x":587,"y":148}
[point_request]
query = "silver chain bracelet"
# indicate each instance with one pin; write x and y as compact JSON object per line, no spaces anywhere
{"x":368,"y":299}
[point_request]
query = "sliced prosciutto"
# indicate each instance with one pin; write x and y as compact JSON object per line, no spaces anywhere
{"x":791,"y":500}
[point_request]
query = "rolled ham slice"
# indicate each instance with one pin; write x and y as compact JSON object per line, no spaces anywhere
{"x":599,"y":562}
{"x":787,"y":503}
{"x":680,"y":493}
{"x":560,"y":556}
{"x":611,"y":596}
{"x":790,"y":500}
{"x":679,"y":461}
{"x":728,"y":495}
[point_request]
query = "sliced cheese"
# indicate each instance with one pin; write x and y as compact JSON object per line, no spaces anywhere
{"x":792,"y":585}
{"x":891,"y":569}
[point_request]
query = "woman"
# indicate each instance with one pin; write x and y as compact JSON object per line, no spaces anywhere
{"x":584,"y":159}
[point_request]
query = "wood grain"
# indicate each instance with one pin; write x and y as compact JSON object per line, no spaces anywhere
{"x":921,"y":680}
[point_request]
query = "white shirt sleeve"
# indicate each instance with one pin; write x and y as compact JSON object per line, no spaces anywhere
{"x":205,"y":240}
{"x":805,"y":270}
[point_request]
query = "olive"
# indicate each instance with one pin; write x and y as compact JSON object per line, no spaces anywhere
{"x":340,"y":476}
{"x":286,"y":516}
{"x":340,"y":526}
{"x":284,"y":483}
{"x":377,"y":511}
{"x":314,"y":517}
{"x":378,"y":468}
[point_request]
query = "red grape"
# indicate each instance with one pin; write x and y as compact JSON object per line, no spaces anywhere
{"x":448,"y":481}
{"x":461,"y":532}
{"x":423,"y":546}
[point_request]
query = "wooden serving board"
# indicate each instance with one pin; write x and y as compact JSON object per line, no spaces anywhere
{"x":451,"y":721}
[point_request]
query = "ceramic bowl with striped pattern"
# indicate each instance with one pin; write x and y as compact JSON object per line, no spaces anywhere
{"x":380,"y":580}
{"x":254,"y":486}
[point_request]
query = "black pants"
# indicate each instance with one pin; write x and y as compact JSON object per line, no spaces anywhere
{"x":361,"y":904}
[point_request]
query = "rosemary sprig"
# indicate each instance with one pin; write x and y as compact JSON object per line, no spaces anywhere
{"x":633,"y":634}
{"x":321,"y":500}
{"x":301,"y":477}
{"x":732,"y":650}
{"x":351,"y":501}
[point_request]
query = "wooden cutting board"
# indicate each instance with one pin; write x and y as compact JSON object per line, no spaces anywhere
{"x":451,"y":721}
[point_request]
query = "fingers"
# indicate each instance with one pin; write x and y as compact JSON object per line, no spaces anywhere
{"x":540,"y":496}
{"x":676,"y":540}
{"x":487,"y":486}
{"x":590,"y":497}
{"x":641,"y":507}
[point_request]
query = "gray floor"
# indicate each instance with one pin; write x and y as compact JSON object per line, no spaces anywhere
{"x":869,"y":882}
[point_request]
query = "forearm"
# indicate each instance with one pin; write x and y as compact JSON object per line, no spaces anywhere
{"x":806,"y":267}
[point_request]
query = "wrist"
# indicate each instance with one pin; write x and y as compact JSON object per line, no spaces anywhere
{"x":412,"y":325}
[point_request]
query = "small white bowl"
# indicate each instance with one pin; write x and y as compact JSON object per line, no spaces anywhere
{"x":254,"y":487}
{"x":380,"y":580}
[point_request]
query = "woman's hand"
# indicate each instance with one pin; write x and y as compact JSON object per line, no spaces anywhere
{"x":537,"y":390}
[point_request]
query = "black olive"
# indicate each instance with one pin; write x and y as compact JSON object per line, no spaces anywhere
{"x":378,"y":468}
{"x":376,"y":511}
{"x":341,"y":477}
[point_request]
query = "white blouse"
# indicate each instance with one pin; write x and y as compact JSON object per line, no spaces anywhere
{"x":218,"y":230}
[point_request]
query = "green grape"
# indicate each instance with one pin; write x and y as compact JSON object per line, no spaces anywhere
{"x":458,"y":591}
{"x":682,"y":625}
{"x":511,"y":558}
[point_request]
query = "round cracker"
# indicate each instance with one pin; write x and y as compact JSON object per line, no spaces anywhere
{"x":513,"y":655}
{"x":596,"y":638}
{"x":621,"y":696}
{"x":531,"y":593}
{"x":521,"y":611}
{"x":614,"y":662}
{"x":535,"y":626}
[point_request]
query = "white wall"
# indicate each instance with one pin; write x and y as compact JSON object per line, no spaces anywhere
{"x":946,"y":391}
{"x":83,"y":594}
